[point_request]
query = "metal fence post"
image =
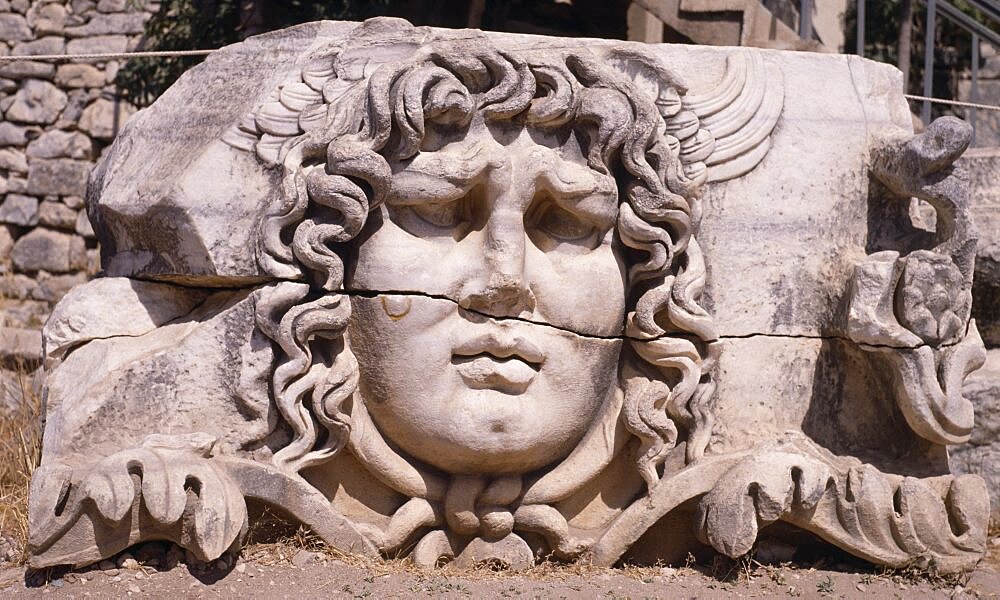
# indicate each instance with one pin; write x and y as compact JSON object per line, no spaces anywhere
{"x":861,"y":27}
{"x":974,"y":93}
{"x":925,"y":113}
{"x":806,"y":19}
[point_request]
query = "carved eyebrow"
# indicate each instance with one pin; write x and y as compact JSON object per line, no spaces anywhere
{"x":441,"y":176}
{"x":581,"y":190}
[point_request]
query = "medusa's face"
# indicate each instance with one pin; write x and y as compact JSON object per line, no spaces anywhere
{"x":498,"y":347}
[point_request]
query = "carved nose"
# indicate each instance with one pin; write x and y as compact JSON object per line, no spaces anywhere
{"x":501,"y":288}
{"x":502,"y":295}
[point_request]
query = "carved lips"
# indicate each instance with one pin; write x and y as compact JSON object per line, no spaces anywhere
{"x":499,"y":361}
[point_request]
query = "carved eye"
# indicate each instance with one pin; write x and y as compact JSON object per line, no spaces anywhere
{"x":551,"y":226}
{"x":441,"y":214}
{"x":563,"y":225}
{"x":436,"y":218}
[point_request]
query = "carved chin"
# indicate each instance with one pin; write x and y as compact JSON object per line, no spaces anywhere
{"x":484,"y":432}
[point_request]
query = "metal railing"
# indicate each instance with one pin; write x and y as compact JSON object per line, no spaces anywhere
{"x":978,"y":31}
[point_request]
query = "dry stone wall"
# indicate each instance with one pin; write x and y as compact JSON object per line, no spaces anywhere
{"x":57,"y":119}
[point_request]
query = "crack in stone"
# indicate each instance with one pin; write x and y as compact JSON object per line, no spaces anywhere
{"x":377,"y":293}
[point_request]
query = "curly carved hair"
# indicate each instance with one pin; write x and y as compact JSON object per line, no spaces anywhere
{"x":334,"y":132}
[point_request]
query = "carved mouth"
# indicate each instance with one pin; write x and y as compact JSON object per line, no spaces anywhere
{"x":509,"y":375}
{"x":507,"y":365}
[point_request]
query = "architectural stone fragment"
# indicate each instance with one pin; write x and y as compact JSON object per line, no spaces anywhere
{"x":477,"y":297}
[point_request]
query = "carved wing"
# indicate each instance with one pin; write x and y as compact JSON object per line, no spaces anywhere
{"x":740,"y":113}
{"x":723,"y":132}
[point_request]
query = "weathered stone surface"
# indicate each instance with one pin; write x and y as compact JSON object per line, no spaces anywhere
{"x":105,"y":24}
{"x":37,"y":102}
{"x":51,"y":288}
{"x":17,"y":185}
{"x":25,"y":314}
{"x":6,"y":243}
{"x":13,"y":160}
{"x":45,"y":45}
{"x":981,"y":455}
{"x":100,"y":44}
{"x":46,"y":250}
{"x":78,"y":100}
{"x":79,"y":75}
{"x":104,"y":118}
{"x":57,"y":215}
{"x":112,"y":5}
{"x":14,"y":135}
{"x":20,"y":344}
{"x":27,"y":69}
{"x":14,"y":28}
{"x":83,"y":227}
{"x":19,"y":210}
{"x":17,"y":286}
{"x":62,"y":177}
{"x":499,"y":297}
{"x":47,"y":18}
{"x":61,"y":144}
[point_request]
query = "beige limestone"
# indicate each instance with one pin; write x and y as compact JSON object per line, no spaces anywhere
{"x":483,"y":297}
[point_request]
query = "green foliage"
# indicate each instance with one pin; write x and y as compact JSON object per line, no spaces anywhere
{"x":209,"y":24}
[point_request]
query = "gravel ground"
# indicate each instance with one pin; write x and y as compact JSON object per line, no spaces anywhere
{"x":284,"y":571}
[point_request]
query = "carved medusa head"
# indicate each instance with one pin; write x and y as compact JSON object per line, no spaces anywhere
{"x":502,"y":264}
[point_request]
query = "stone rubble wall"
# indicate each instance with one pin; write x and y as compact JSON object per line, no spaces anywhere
{"x":57,"y":119}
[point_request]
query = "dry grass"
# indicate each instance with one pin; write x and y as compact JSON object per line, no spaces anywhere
{"x":20,"y":451}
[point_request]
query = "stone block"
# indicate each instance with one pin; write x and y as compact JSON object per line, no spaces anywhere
{"x":14,"y":28}
{"x":61,"y":177}
{"x":6,"y":242}
{"x":80,"y":75}
{"x":37,"y":102}
{"x":17,"y":285}
{"x":20,"y":344}
{"x":51,"y":288}
{"x":27,"y":69}
{"x":13,"y":160}
{"x":78,"y":100}
{"x":46,"y":250}
{"x":108,"y":6}
{"x":17,"y":185}
{"x":109,"y":24}
{"x":104,"y":118}
{"x":57,"y":215}
{"x":24,"y":314}
{"x":83,"y":227}
{"x":486,"y":297}
{"x":47,"y":18}
{"x":45,"y":45}
{"x":99,"y":44}
{"x":61,"y":144}
{"x":19,"y":210}
{"x":16,"y":135}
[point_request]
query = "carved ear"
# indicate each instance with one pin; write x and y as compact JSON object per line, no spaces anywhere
{"x":740,"y":113}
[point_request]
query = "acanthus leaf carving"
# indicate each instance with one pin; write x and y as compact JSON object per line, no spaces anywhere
{"x":888,"y":519}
